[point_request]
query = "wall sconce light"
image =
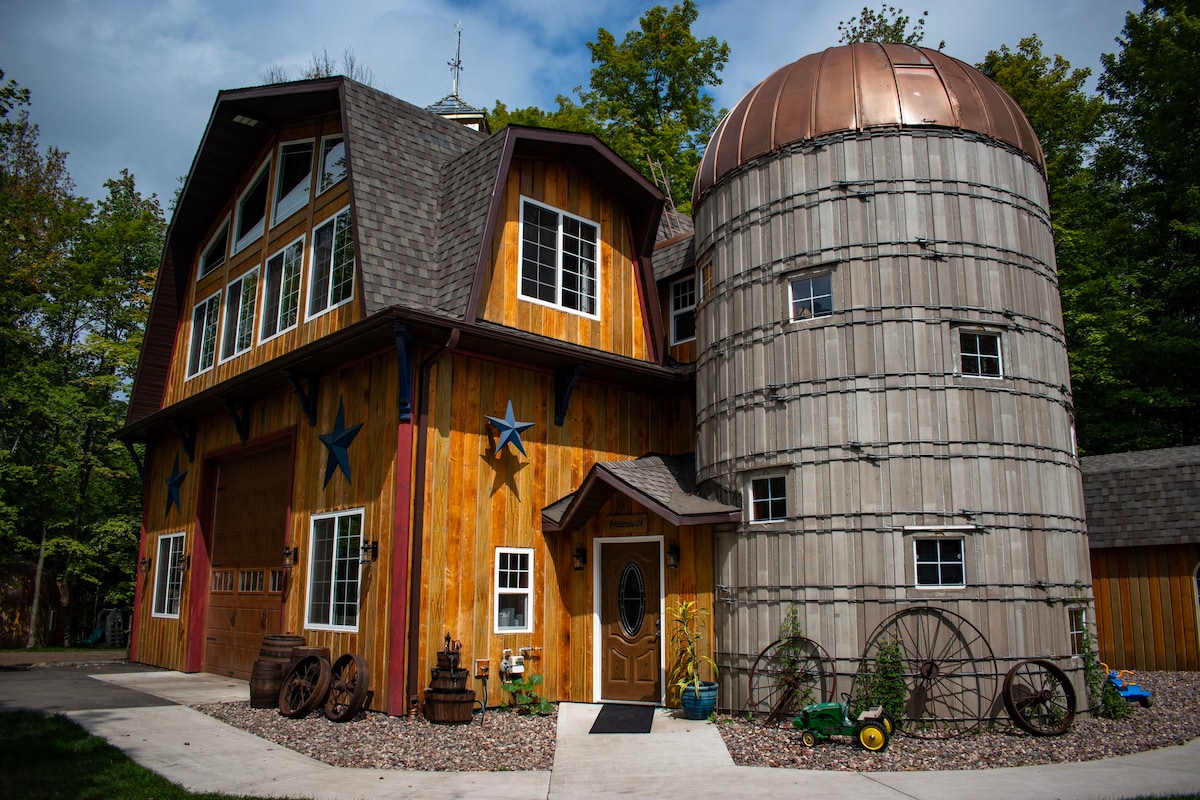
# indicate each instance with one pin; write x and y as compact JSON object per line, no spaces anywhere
{"x":368,"y":552}
{"x":673,"y":555}
{"x":579,"y":558}
{"x":290,"y":554}
{"x":144,"y":565}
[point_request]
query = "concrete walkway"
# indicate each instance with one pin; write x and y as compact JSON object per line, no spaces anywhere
{"x":144,"y":713}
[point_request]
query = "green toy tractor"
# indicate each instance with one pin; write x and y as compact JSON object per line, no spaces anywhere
{"x":872,"y":729}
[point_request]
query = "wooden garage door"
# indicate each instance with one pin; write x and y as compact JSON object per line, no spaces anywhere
{"x":246,"y":589}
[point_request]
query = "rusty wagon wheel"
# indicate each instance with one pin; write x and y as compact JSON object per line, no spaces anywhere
{"x":305,"y":687}
{"x":1039,"y":697}
{"x":348,"y":688}
{"x":948,"y":669}
{"x":789,"y":674}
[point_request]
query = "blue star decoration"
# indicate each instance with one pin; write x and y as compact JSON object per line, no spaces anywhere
{"x":337,"y":443}
{"x":173,"y":483}
{"x":510,"y":430}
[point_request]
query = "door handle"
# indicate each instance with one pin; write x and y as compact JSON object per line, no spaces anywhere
{"x":233,"y":618}
{"x":262,"y":621}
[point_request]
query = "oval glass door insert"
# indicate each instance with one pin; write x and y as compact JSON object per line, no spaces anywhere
{"x":631,"y":598}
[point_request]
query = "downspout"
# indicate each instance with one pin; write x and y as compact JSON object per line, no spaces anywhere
{"x":418,"y":542}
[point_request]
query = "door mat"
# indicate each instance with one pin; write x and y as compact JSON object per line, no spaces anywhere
{"x":615,"y":718}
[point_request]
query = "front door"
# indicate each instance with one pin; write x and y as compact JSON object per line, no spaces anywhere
{"x":630,"y":622}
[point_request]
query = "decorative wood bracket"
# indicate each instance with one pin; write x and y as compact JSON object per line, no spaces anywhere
{"x":239,"y":411}
{"x":186,"y":431}
{"x":564,"y":384}
{"x":405,"y":365}
{"x":137,"y":461}
{"x":307,"y":396}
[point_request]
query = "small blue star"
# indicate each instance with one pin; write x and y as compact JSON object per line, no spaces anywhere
{"x":510,"y":430}
{"x":173,"y":484}
{"x":337,"y":443}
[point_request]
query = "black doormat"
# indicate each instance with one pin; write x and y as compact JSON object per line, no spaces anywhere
{"x":623,"y":719}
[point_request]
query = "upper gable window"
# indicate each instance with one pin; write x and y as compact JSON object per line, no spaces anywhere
{"x":559,"y":259}
{"x":683,"y":310}
{"x":811,"y":297}
{"x":333,"y":161}
{"x":281,"y":290}
{"x":238,"y":334}
{"x":332,"y":281}
{"x":294,"y":180}
{"x":214,"y":254}
{"x":252,"y":210}
{"x":204,"y":335}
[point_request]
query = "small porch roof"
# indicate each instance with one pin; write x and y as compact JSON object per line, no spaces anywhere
{"x":665,"y":485}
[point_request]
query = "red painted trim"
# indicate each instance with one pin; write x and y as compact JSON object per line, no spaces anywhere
{"x":397,"y":702}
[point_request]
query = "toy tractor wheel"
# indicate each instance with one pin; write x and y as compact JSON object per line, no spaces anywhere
{"x":808,"y":739}
{"x":889,"y":724}
{"x":1145,"y":702}
{"x":872,"y":736}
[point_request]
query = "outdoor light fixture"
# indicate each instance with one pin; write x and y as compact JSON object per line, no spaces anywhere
{"x":368,"y":552}
{"x":673,"y":555}
{"x":579,"y":558}
{"x":244,"y":120}
{"x":184,"y":562}
{"x":144,"y":565}
{"x":290,"y":554}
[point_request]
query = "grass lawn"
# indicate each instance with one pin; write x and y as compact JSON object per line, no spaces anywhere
{"x":44,"y":756}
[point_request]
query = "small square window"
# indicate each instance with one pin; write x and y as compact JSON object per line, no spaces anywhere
{"x":204,"y":335}
{"x":939,"y":562}
{"x":514,"y":590}
{"x":811,"y":297}
{"x":333,"y":161}
{"x":768,"y":498}
{"x":980,"y":354}
{"x":683,"y":310}
{"x":168,"y":575}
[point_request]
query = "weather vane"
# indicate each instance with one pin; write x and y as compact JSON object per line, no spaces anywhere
{"x":456,"y":65}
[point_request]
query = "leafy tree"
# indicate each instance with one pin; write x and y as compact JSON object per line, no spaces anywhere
{"x":888,"y":24}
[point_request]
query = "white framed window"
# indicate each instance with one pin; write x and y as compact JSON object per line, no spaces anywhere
{"x":293,"y":180}
{"x":514,"y":590}
{"x":939,"y":563}
{"x":335,"y":549}
{"x":240,"y":298}
{"x":204,"y":334}
{"x":332,"y":274}
{"x":559,"y":259}
{"x":252,"y":210}
{"x":1077,"y":629}
{"x":811,"y":297}
{"x":979,"y":354}
{"x":215,"y":251}
{"x":281,"y":290}
{"x":333,"y":161}
{"x":768,"y":498}
{"x":683,"y":310}
{"x":168,"y":575}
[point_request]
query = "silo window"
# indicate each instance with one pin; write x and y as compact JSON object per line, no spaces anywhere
{"x":683,"y":311}
{"x":939,"y":562}
{"x":768,"y":498}
{"x":812,"y":297}
{"x":980,"y":354}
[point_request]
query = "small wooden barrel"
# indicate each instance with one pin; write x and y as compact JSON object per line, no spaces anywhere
{"x":448,"y":660}
{"x":449,"y":708}
{"x":446,"y":680}
{"x":266,"y":678}
{"x":278,"y":647}
{"x":304,"y":652}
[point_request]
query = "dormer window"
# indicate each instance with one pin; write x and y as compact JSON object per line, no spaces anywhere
{"x":333,"y":161}
{"x":252,"y":210}
{"x":559,"y":259}
{"x":294,"y":180}
{"x":683,"y":310}
{"x":214,"y":255}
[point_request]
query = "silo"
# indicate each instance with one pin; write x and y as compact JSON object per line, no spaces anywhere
{"x":882,"y":376}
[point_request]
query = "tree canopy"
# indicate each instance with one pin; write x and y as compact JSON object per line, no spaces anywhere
{"x":888,"y":24}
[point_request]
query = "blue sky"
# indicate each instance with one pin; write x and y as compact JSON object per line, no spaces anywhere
{"x":131,"y":83}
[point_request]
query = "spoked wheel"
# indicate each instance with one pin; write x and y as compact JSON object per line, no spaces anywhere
{"x":305,"y":687}
{"x":947,"y":667}
{"x":789,"y":674}
{"x":1039,"y":697}
{"x":348,"y":688}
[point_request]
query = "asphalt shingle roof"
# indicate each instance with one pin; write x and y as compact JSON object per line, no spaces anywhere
{"x":1148,"y":497}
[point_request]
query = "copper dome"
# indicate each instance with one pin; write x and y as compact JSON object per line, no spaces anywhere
{"x":860,"y":86}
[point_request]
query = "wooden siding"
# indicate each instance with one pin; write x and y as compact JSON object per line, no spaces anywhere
{"x":619,"y":328}
{"x":302,"y":223}
{"x":477,"y":501}
{"x":1146,"y":616}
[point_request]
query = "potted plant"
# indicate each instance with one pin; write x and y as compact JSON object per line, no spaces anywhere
{"x":698,"y":697}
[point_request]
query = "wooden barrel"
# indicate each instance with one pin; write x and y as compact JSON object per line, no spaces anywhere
{"x":447,"y":680}
{"x":278,"y":647}
{"x":304,"y":652}
{"x":448,"y":659}
{"x":449,"y":708}
{"x":266,"y":677}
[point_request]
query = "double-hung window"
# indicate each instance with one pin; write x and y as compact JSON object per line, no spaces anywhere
{"x":683,"y":310}
{"x":979,"y":352}
{"x":168,"y":575}
{"x":333,"y":161}
{"x":281,"y":290}
{"x":204,"y":335}
{"x":939,"y":563}
{"x":514,"y":590}
{"x":768,"y":498}
{"x":333,"y":570}
{"x":811,"y":297}
{"x":332,"y":281}
{"x":214,"y":254}
{"x":559,"y":259}
{"x":238,"y":335}
{"x":252,"y":210}
{"x":294,"y":180}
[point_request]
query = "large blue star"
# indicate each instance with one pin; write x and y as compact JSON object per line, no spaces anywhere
{"x":510,"y":430}
{"x":337,"y":443}
{"x":173,"y":484}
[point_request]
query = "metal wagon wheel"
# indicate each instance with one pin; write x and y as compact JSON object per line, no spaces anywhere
{"x":948,"y":669}
{"x":789,"y":674}
{"x":1039,"y":697}
{"x":348,"y":688}
{"x":305,"y":687}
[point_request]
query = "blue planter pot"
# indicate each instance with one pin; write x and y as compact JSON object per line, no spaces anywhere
{"x":698,"y":705}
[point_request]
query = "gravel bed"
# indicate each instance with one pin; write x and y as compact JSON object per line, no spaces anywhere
{"x":507,"y":741}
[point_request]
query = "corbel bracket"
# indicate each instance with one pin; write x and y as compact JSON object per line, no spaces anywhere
{"x":307,"y":394}
{"x":564,"y":384}
{"x":405,"y":366}
{"x":239,"y":412}
{"x":186,"y":431}
{"x":137,"y":461}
